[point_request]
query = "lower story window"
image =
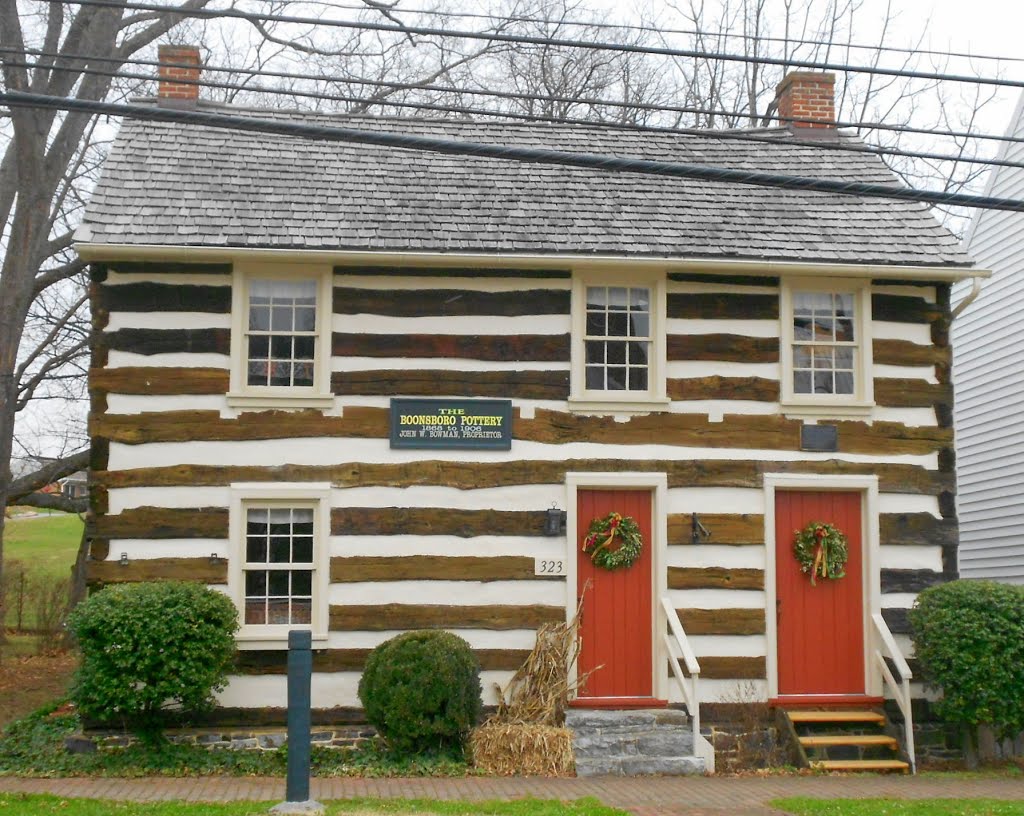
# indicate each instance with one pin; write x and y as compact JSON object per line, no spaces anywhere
{"x":279,"y":565}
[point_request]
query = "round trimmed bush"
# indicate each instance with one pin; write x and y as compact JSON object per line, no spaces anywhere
{"x":969,"y":638}
{"x":149,"y":647}
{"x":421,"y":690}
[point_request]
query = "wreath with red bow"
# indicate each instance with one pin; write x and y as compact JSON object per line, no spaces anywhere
{"x":821,"y":550}
{"x":602,"y":536}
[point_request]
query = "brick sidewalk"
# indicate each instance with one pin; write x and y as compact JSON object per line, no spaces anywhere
{"x":672,"y":796}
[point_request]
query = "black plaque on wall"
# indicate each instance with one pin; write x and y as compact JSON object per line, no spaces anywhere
{"x":824,"y":438}
{"x":451,"y":423}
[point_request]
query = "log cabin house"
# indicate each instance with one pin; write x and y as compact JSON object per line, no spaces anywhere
{"x":285,"y":328}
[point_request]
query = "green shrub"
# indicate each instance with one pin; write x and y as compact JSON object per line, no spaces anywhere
{"x":969,"y":638}
{"x":421,"y":690}
{"x":149,"y":647}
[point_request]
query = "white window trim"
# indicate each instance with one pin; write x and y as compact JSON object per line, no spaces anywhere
{"x":619,"y":402}
{"x":315,"y":494}
{"x":862,"y":401}
{"x":243,"y":395}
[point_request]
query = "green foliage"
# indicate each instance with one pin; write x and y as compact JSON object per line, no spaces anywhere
{"x":422,"y":691}
{"x":969,"y":638}
{"x":147,"y":647}
{"x":896,"y":807}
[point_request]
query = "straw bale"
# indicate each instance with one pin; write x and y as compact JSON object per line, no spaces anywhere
{"x":511,"y":749}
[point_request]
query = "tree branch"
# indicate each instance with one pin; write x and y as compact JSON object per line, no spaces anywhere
{"x":47,"y":474}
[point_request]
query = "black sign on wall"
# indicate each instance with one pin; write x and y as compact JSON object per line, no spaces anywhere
{"x":451,"y":423}
{"x":823,"y":438}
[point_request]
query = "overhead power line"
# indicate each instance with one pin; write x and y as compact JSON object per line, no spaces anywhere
{"x":694,"y":32}
{"x":524,"y":39}
{"x":739,"y":136}
{"x":513,"y":95}
{"x":604,"y":163}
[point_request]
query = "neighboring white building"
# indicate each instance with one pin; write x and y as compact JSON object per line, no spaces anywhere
{"x":988,"y":365}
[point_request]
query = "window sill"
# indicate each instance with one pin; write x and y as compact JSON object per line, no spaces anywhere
{"x":280,"y":401}
{"x":824,"y":410}
{"x":651,"y":405}
{"x":273,"y":641}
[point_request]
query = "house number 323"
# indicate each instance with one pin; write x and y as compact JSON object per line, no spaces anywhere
{"x":549,"y":566}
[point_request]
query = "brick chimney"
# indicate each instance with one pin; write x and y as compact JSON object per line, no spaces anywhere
{"x":807,"y":95}
{"x":178,"y":62}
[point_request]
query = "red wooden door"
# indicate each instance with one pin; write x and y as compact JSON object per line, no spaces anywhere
{"x":616,"y":629}
{"x":820,"y":628}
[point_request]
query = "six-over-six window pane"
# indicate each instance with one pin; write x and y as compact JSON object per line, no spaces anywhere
{"x":617,"y":338}
{"x":278,"y":568}
{"x":824,"y":343}
{"x":281,"y":336}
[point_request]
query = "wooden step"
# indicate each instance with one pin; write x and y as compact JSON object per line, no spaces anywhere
{"x":852,"y":739}
{"x":818,"y":716}
{"x":862,"y":765}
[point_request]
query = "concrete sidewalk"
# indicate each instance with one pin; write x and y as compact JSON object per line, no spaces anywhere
{"x":644,"y":796}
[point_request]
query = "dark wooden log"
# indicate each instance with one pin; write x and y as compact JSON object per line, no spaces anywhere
{"x":725,"y":280}
{"x":499,"y":348}
{"x":99,"y":548}
{"x":725,"y":528}
{"x":897,"y":619}
{"x":722,"y":621}
{"x":732,"y":668}
{"x":157,"y":569}
{"x":904,"y":309}
{"x":169,"y":267}
{"x":168,"y":341}
{"x":450,"y":302}
{"x":382,"y":617}
{"x":894,"y":478}
{"x":157,"y":380}
{"x":722,"y":306}
{"x":164,"y":522}
{"x":435,"y":521}
{"x":911,"y":393}
{"x":451,"y":272}
{"x":903,"y":352}
{"x":724,"y":388}
{"x":917,"y":528}
{"x":550,"y":385}
{"x":715,"y":578}
{"x":164,"y":297}
{"x":352,"y":569}
{"x":353,"y":660}
{"x":728,"y":348}
{"x":910,"y":580}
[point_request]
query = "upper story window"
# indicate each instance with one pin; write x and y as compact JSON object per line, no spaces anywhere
{"x":618,"y":350}
{"x":281,"y":335}
{"x":826,"y":353}
{"x":278,"y":571}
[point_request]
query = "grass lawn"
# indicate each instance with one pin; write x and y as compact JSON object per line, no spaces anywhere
{"x":17,"y":805}
{"x":902,"y":807}
{"x":44,"y":544}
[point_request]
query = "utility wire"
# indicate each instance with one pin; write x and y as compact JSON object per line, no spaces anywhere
{"x":524,"y":39}
{"x":738,"y":136}
{"x":591,"y":161}
{"x":694,"y":32}
{"x":413,"y":86}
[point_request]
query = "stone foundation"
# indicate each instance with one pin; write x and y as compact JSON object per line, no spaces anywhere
{"x":237,"y":739}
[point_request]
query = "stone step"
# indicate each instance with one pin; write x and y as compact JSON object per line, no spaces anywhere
{"x":580,"y":719}
{"x":639,"y":766}
{"x":660,"y":743}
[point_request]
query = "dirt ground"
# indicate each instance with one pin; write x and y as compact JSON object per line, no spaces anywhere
{"x":28,"y":682}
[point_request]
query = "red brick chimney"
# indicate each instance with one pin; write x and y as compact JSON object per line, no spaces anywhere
{"x":807,"y":97}
{"x":179,"y":62}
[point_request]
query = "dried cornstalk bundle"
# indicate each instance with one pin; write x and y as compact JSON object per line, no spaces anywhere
{"x":509,"y":749}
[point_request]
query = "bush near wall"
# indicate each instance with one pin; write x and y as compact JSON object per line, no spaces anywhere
{"x":149,"y":647}
{"x":421,"y":690}
{"x":969,"y":639}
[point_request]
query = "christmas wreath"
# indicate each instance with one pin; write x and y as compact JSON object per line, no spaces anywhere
{"x":602,"y":535}
{"x":821,"y":550}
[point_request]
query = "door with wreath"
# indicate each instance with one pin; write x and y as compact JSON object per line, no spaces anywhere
{"x":819,"y":625}
{"x":616,"y":629}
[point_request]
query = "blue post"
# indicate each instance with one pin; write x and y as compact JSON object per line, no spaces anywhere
{"x":300,"y":670}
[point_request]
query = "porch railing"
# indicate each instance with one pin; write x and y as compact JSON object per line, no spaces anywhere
{"x":887,"y":648}
{"x":678,"y":648}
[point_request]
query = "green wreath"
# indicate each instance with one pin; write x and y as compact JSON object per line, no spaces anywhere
{"x":602,"y":534}
{"x":821,"y":550}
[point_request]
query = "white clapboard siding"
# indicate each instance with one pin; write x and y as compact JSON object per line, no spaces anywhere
{"x":989,"y":381}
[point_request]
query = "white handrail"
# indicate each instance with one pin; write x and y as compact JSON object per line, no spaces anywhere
{"x":678,"y":648}
{"x":901,"y":688}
